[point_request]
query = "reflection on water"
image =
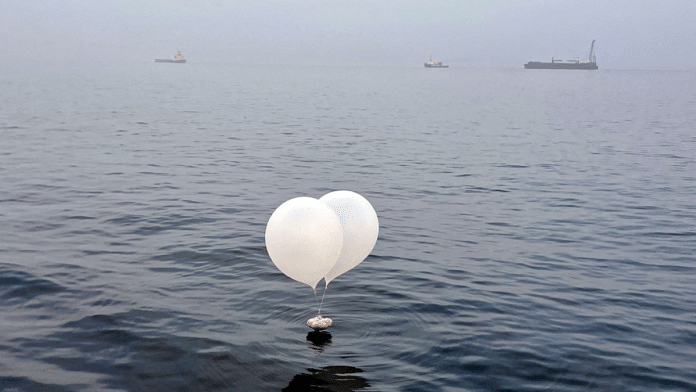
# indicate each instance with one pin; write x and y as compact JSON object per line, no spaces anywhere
{"x":320,"y":340}
{"x":329,"y":378}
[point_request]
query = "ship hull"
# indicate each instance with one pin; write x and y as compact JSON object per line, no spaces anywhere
{"x":169,"y":61}
{"x":540,"y":65}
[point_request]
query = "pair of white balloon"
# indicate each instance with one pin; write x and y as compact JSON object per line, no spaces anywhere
{"x":313,"y":239}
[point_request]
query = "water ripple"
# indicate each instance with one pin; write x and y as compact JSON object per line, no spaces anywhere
{"x":532,"y":237}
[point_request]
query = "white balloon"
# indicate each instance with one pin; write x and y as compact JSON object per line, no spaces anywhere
{"x":304,"y":238}
{"x":360,"y":229}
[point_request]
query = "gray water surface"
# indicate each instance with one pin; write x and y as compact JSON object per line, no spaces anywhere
{"x":537,"y":229}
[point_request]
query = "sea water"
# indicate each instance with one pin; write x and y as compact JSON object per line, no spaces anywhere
{"x":537,"y":228}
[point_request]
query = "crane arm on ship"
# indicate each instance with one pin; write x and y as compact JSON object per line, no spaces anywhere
{"x":591,"y":60}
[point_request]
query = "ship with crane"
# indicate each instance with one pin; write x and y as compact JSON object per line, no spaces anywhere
{"x":591,"y":63}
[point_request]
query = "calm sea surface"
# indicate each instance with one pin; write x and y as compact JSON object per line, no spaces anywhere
{"x":537,"y":229}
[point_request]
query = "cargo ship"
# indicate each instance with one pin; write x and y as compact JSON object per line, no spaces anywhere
{"x":432,"y":64}
{"x":591,"y":63}
{"x":177,"y":58}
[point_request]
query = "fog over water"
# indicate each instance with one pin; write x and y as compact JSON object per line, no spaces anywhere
{"x":536,"y":227}
{"x":630,"y":34}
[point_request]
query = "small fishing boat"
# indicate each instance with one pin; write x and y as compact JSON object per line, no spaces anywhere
{"x":177,"y":58}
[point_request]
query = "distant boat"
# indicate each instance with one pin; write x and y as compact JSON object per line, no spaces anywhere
{"x":177,"y":58}
{"x":591,"y":63}
{"x":432,"y":64}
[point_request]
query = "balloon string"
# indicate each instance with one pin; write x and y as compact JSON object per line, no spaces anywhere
{"x":317,"y":301}
{"x":322,"y":299}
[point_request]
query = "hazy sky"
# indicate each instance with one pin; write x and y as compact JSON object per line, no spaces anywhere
{"x":644,"y":34}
